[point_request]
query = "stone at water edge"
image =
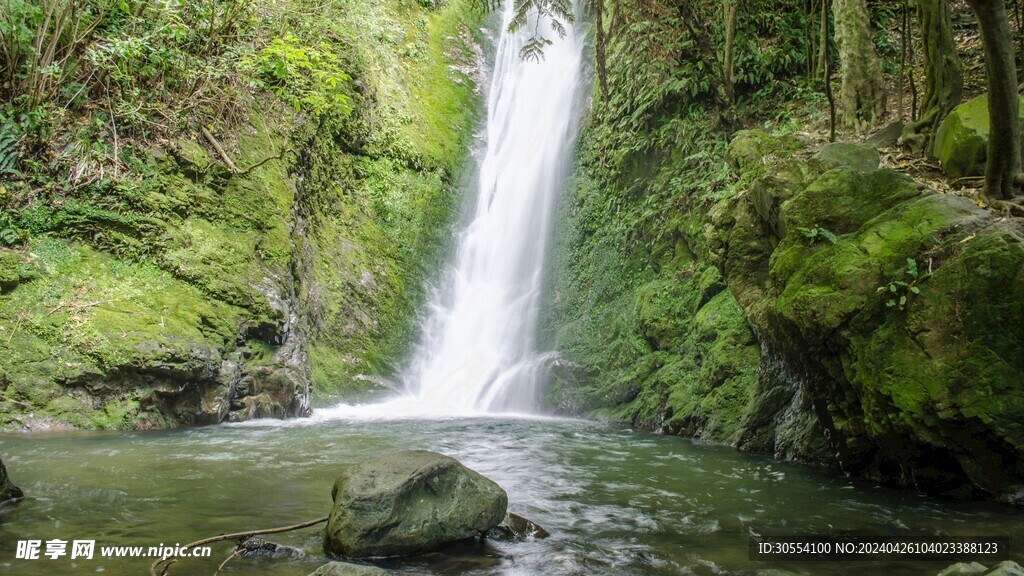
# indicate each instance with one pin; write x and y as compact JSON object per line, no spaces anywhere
{"x":347,"y":569}
{"x":964,"y":569}
{"x":1005,"y":568}
{"x":515,"y":527}
{"x":8,"y":491}
{"x":407,"y":503}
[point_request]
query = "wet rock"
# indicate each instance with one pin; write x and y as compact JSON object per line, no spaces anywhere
{"x":961,"y":144}
{"x":1007,"y":568}
{"x":259,"y":548}
{"x":8,"y":491}
{"x":963,"y":569}
{"x":515,"y":527}
{"x":407,"y":503}
{"x":347,"y":569}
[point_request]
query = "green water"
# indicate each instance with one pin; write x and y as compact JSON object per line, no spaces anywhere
{"x":616,"y":502}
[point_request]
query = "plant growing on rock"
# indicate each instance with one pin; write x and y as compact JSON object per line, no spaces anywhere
{"x":898,"y":291}
{"x":817,"y":234}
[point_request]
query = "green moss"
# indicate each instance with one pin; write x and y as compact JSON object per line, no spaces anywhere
{"x":961,"y":143}
{"x":897,"y":388}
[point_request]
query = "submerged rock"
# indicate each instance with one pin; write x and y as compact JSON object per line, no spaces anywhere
{"x":347,"y":569}
{"x":8,"y":491}
{"x":961,"y":143}
{"x":407,"y":503}
{"x":515,"y":527}
{"x":258,"y":548}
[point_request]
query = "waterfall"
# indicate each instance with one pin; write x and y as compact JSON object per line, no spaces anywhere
{"x":477,"y":351}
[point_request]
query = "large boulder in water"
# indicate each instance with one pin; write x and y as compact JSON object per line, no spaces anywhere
{"x":961,"y":144}
{"x":409,"y":502}
{"x":8,"y":491}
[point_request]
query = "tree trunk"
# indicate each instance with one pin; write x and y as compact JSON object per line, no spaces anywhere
{"x":1002,"y":170}
{"x":599,"y":48}
{"x":730,"y":7}
{"x":944,"y":81}
{"x":823,"y":46}
{"x":861,"y":92}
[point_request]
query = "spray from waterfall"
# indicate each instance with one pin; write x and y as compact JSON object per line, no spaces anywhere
{"x":477,"y":352}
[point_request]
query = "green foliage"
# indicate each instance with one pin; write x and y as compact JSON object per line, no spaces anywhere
{"x":817,"y":234}
{"x":556,"y":13}
{"x":307,"y":77}
{"x":899,"y":290}
{"x":9,"y":151}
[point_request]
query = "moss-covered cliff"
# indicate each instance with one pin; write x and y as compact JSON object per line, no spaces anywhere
{"x":746,"y":287}
{"x":902,"y":334}
{"x":194,"y":284}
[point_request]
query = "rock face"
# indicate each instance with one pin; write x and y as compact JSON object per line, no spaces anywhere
{"x":8,"y":491}
{"x":962,"y":140}
{"x":407,"y":503}
{"x":894,"y":352}
{"x":198,"y":294}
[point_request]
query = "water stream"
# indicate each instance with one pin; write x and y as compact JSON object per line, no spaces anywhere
{"x":617,"y":503}
{"x":477,"y":352}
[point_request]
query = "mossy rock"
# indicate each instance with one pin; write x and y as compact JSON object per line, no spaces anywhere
{"x":407,"y":503}
{"x":15,"y":269}
{"x":925,"y":393}
{"x":856,"y":157}
{"x":961,"y":143}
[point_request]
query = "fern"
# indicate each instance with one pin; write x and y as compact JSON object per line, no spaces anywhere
{"x":817,"y":234}
{"x":8,"y":153}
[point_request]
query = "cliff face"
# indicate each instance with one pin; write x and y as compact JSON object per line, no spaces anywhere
{"x":900,"y":337}
{"x":194,"y":292}
{"x":821,"y":309}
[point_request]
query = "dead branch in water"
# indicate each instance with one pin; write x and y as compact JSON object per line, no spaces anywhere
{"x":236,"y":536}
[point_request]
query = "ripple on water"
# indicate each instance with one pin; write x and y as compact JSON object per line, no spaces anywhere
{"x":616,"y":502}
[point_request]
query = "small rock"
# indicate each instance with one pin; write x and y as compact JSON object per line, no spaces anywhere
{"x":963,"y":569}
{"x":259,"y":548}
{"x":347,"y":569}
{"x":886,"y":136}
{"x":8,"y":491}
{"x":1007,"y":568}
{"x":857,"y":157}
{"x":515,"y":527}
{"x":408,"y":503}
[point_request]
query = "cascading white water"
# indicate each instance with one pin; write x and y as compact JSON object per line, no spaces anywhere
{"x":477,"y":352}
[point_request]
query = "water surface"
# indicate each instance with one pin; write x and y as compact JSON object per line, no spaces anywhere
{"x":616,"y":502}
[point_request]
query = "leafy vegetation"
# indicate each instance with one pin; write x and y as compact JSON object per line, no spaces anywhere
{"x":899,"y":290}
{"x":817,"y":234}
